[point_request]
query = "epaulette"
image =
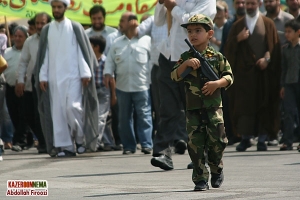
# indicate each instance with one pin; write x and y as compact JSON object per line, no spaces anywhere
{"x":210,"y":53}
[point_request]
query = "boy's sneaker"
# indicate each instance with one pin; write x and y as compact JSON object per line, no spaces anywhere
{"x":201,"y":186}
{"x":216,"y":180}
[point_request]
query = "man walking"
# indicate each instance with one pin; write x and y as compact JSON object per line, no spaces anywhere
{"x":253,"y":49}
{"x":128,"y":57}
{"x":24,"y":88}
{"x":106,"y":139}
{"x":64,"y":64}
{"x":97,"y":16}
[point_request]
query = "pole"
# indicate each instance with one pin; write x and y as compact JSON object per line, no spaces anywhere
{"x":7,"y":31}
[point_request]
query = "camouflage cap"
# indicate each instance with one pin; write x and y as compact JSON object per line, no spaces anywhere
{"x":199,"y":19}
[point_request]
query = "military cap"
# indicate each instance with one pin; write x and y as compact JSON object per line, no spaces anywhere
{"x":199,"y":19}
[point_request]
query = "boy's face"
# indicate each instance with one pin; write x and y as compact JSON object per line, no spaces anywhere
{"x":291,"y":35}
{"x":221,"y":15}
{"x":198,"y":35}
{"x":95,"y":48}
{"x":31,"y":29}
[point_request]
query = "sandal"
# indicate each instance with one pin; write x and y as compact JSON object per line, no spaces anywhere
{"x":80,"y":149}
{"x":66,"y":153}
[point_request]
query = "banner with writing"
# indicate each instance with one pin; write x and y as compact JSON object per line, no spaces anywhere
{"x":78,"y":9}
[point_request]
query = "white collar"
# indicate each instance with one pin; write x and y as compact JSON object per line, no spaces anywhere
{"x":254,"y":18}
{"x":251,"y":22}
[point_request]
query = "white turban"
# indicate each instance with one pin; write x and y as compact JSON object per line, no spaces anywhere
{"x":67,"y":2}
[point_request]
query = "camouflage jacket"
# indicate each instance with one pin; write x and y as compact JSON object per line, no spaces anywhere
{"x":195,"y":80}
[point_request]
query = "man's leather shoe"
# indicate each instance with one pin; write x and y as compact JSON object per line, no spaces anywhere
{"x":163,"y":162}
{"x":201,"y":186}
{"x":216,"y":180}
{"x":42,"y":149}
{"x":244,"y":144}
{"x":180,"y":147}
{"x":146,"y":150}
{"x":128,"y":152}
{"x":190,"y":166}
{"x":16,"y":148}
{"x":261,"y":146}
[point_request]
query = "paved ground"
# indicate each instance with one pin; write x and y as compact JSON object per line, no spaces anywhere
{"x":110,"y":175}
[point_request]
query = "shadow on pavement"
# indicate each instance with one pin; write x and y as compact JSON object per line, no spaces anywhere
{"x":118,"y":173}
{"x":133,"y":193}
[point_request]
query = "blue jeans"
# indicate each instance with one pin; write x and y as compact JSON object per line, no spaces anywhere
{"x":140,"y":102}
{"x":6,"y":126}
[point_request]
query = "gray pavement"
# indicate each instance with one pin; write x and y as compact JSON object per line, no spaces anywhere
{"x":110,"y":175}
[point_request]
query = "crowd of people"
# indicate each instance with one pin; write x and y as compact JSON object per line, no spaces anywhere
{"x":68,"y":91}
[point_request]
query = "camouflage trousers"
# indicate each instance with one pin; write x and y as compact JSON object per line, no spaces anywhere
{"x":206,"y":133}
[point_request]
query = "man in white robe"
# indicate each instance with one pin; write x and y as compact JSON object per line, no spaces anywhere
{"x":63,"y":71}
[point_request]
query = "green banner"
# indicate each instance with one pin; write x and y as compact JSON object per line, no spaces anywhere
{"x":78,"y":9}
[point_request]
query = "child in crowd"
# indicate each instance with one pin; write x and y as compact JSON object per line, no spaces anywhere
{"x":204,"y":116}
{"x":106,"y":96}
{"x":290,"y":83}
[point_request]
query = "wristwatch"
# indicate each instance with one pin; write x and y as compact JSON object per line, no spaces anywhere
{"x":268,"y":60}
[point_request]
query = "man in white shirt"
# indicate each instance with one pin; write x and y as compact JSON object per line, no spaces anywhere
{"x":24,"y":88}
{"x":68,"y":100}
{"x":14,"y":103}
{"x":128,"y":57}
{"x":97,"y":15}
{"x":172,"y":124}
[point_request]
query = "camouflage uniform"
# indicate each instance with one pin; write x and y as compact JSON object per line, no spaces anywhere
{"x":204,"y":116}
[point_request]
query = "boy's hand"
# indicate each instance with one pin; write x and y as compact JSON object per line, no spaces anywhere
{"x":106,"y":80}
{"x":193,"y":62}
{"x":282,"y":92}
{"x":209,"y":87}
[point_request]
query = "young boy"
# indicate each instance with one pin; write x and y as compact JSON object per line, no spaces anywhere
{"x":106,"y":97}
{"x":290,"y":82}
{"x":205,"y":125}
